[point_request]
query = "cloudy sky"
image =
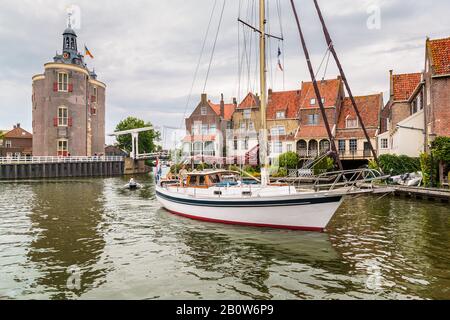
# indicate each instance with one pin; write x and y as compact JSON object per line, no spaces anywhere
{"x":147,"y":51}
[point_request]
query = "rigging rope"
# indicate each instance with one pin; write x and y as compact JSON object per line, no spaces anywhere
{"x":214,"y":45}
{"x":198,"y":63}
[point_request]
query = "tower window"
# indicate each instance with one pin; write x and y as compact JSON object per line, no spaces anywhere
{"x":94,"y":94}
{"x":63,"y":148}
{"x":63,"y":80}
{"x":63,"y":116}
{"x":67,"y":43}
{"x":72,"y":43}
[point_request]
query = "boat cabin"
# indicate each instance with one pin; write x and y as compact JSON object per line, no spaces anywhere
{"x":206,"y":179}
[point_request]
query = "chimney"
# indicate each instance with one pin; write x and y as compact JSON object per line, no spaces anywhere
{"x":204,"y":98}
{"x":391,"y":82}
{"x":235,"y":101}
{"x":18,"y":125}
{"x":222,"y":107}
{"x":269,"y":96}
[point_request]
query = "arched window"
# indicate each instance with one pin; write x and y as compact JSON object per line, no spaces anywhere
{"x":72,"y":43}
{"x":324,"y":146}
{"x":67,"y":43}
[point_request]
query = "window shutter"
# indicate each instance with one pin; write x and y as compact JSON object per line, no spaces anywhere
{"x":55,"y":121}
{"x":70,"y":87}
{"x":69,"y":121}
{"x":55,"y":86}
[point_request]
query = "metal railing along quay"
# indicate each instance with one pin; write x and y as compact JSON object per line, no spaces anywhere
{"x":52,"y":159}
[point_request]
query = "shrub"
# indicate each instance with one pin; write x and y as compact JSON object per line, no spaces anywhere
{"x":325,"y":164}
{"x":282,"y":172}
{"x":396,"y":165}
{"x":289,"y":160}
{"x":429,"y":170}
{"x":441,"y":149}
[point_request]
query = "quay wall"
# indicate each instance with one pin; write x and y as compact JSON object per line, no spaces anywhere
{"x":15,"y":171}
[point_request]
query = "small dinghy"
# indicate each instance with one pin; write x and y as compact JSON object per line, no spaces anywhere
{"x":132,"y":185}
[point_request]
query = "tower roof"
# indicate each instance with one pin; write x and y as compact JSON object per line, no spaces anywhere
{"x":69,"y":30}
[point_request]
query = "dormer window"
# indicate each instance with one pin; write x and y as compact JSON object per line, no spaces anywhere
{"x":351,"y":123}
{"x":281,"y":114}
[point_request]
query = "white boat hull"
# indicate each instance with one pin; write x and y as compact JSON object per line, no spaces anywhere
{"x":297,"y":212}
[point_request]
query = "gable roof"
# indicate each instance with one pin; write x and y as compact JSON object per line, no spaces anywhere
{"x":309,"y":132}
{"x":18,"y":133}
{"x":250,"y":101}
{"x":439,"y":51}
{"x":288,"y":101}
{"x":369,"y":108}
{"x":329,"y":90}
{"x":403,"y":85}
{"x":228,"y":109}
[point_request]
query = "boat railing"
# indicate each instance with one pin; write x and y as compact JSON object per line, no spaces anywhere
{"x":350,"y":179}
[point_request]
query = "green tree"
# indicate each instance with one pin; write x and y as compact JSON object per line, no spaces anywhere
{"x":147,"y":139}
{"x":289,"y":160}
{"x":441,"y":149}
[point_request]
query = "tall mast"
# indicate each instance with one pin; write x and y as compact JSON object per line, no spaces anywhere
{"x":317,"y":90}
{"x":262,"y":76}
{"x":344,"y":79}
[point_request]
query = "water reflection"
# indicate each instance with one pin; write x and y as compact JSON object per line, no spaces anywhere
{"x":407,"y":241}
{"x":68,"y":222}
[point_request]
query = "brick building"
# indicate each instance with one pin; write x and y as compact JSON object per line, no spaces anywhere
{"x":68,"y":105}
{"x":206,"y":128}
{"x":246,"y":124}
{"x":312,"y":138}
{"x":419,"y":106}
{"x":16,"y":143}
{"x":282,"y":121}
{"x":350,"y":138}
{"x":437,"y":88}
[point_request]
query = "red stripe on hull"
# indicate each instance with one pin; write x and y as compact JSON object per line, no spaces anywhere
{"x":247,"y":224}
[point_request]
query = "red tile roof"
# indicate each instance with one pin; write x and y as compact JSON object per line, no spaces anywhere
{"x":439,"y":51}
{"x":404,"y":85}
{"x":369,"y":107}
{"x":250,"y":101}
{"x":307,"y":132}
{"x":18,"y":133}
{"x":288,"y":101}
{"x":228,"y":109}
{"x":329,"y":90}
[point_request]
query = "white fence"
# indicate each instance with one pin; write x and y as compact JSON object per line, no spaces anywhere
{"x":15,"y":160}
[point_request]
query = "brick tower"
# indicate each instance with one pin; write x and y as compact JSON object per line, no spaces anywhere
{"x":68,"y":105}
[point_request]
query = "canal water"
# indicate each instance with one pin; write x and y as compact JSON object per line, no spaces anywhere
{"x":91,"y":239}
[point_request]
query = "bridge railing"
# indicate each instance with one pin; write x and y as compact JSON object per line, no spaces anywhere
{"x":51,"y":159}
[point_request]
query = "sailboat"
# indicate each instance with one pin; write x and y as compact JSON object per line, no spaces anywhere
{"x":221,"y":197}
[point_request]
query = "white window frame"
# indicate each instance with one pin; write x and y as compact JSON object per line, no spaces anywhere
{"x":315,"y":118}
{"x":278,"y":131}
{"x":60,"y":146}
{"x":247,"y":114}
{"x":251,"y":126}
{"x":281,"y":115}
{"x":63,"y":82}
{"x":349,"y":120}
{"x":313,"y":101}
{"x":212,"y":129}
{"x":289,"y":147}
{"x":203,"y":111}
{"x":277,"y":147}
{"x":353,"y":150}
{"x":63,"y":118}
{"x":8,"y":143}
{"x":384,"y":143}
